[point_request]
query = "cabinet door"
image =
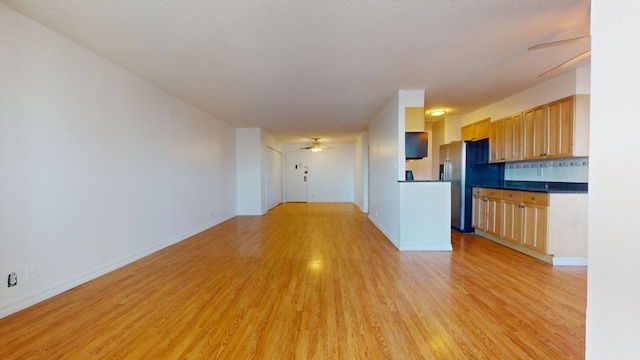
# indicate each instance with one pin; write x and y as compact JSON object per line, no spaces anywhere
{"x":494,"y":216}
{"x":501,"y":138}
{"x":482,"y":129}
{"x":467,"y":132}
{"x":534,"y":234}
{"x":494,"y":142}
{"x":512,"y":221}
{"x":560,"y":127}
{"x":513,"y":137}
{"x":478,"y":216}
{"x":534,"y":141}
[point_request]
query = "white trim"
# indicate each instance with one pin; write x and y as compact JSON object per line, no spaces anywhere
{"x":382,"y":229}
{"x":564,"y":261}
{"x":434,"y":247}
{"x":44,"y":294}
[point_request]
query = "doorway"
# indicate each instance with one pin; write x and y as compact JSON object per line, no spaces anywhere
{"x":296,"y":188}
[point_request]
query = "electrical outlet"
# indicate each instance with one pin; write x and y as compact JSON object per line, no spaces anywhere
{"x":540,"y":171}
{"x":31,"y":273}
{"x":12,"y":280}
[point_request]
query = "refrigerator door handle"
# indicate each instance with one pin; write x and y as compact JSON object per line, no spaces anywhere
{"x":447,"y":170}
{"x":444,"y":171}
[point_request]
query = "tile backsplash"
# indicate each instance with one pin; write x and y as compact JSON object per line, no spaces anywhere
{"x":563,"y":170}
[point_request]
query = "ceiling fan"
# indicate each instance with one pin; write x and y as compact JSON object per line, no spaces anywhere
{"x":315,"y":146}
{"x":569,"y":62}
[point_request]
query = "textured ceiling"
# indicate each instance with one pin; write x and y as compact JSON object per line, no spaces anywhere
{"x":303,"y":69}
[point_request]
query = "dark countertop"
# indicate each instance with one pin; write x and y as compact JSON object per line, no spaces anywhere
{"x":541,"y":186}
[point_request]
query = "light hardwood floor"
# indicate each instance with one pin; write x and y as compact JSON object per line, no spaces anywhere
{"x":311,"y":281}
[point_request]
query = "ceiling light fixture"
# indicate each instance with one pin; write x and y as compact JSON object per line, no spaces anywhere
{"x":315,"y":146}
{"x":438,"y":112}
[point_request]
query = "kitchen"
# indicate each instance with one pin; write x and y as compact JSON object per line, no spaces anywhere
{"x":520,"y":195}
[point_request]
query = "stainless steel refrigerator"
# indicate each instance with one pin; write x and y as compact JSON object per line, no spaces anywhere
{"x":466,"y":164}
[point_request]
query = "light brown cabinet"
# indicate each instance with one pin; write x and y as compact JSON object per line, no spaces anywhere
{"x":476,"y":131}
{"x":535,"y":132}
{"x":496,"y":141}
{"x":534,"y":221}
{"x":560,"y":127}
{"x":487,"y":212}
{"x":516,"y":216}
{"x":478,"y":210}
{"x":505,"y":139}
{"x":542,"y":225}
{"x":557,"y":129}
{"x":494,"y":212}
{"x":512,"y":214}
{"x":513,"y":137}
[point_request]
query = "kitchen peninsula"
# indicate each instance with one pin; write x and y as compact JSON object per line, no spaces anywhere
{"x":425,"y":209}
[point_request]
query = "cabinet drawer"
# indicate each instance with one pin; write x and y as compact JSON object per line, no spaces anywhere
{"x":493,"y":194}
{"x":511,"y":195}
{"x":479,"y":191}
{"x":536,"y":198}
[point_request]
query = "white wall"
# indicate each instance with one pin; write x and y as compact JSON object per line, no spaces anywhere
{"x":248,"y":171}
{"x":268,"y":142}
{"x":331,"y":172}
{"x":252,"y":151}
{"x":98,"y":168}
{"x":613,"y":295}
{"x":384,"y":190}
{"x":361,"y":172}
{"x":438,"y":138}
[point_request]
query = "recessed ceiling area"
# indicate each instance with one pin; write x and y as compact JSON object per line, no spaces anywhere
{"x":323,"y":69}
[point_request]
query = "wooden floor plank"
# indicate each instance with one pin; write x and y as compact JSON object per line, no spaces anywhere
{"x":311,"y":281}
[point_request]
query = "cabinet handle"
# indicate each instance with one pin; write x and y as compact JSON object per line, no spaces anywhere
{"x":533,"y":198}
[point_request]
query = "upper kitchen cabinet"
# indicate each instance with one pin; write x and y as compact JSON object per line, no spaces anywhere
{"x":505,"y":139}
{"x":496,"y":141}
{"x":534,"y":133}
{"x":557,"y":129}
{"x":476,"y":131}
{"x":513,"y":137}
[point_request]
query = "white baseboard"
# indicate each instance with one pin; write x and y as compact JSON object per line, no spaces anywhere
{"x":384,"y":231}
{"x":49,"y":292}
{"x":560,"y":261}
{"x":434,"y":247}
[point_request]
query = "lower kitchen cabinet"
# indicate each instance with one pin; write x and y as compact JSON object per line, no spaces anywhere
{"x":534,"y":227}
{"x":487,"y":211}
{"x":478,"y":213}
{"x":512,"y":215}
{"x":532,"y":223}
{"x":494,"y":212}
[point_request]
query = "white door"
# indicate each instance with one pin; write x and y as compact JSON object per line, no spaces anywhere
{"x":296,"y":176}
{"x":274,"y":178}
